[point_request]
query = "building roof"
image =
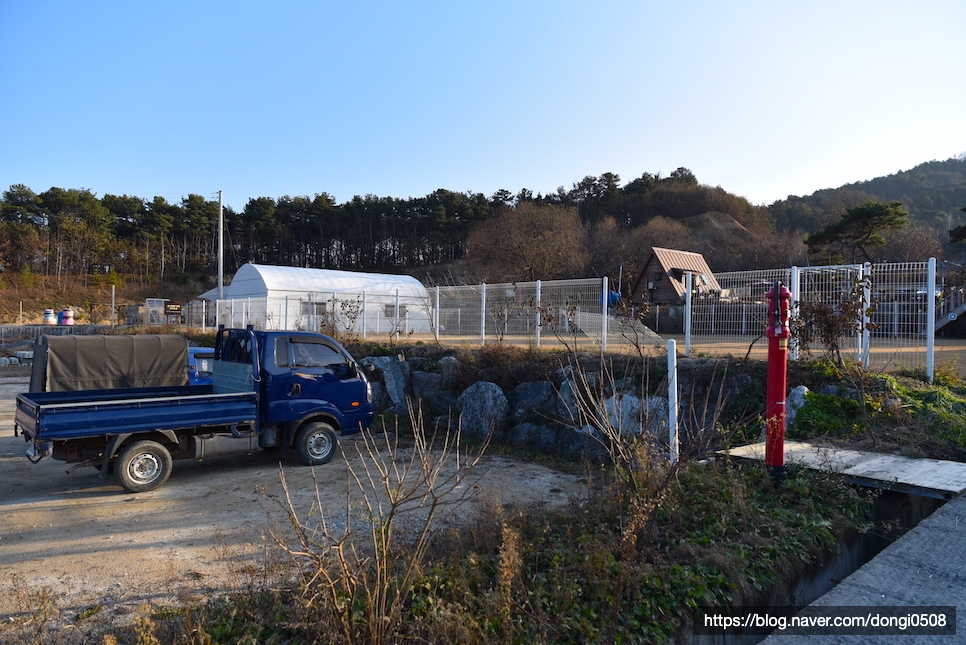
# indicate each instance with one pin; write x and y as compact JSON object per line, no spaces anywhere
{"x":259,"y":280}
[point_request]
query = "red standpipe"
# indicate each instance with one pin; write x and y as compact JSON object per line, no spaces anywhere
{"x":778,"y":332}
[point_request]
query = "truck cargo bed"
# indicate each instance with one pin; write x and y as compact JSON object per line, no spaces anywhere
{"x":55,"y":416}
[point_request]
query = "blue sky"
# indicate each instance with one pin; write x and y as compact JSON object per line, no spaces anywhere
{"x":295,"y":97}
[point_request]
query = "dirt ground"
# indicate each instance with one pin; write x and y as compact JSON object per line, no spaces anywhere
{"x":95,"y":545}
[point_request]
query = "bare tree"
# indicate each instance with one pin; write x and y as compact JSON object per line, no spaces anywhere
{"x":666,"y":233}
{"x":531,"y":241}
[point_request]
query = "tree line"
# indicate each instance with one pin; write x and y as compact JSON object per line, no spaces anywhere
{"x":73,"y":231}
{"x":597,"y":227}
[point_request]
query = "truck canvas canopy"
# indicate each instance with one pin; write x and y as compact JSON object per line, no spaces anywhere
{"x":76,"y":362}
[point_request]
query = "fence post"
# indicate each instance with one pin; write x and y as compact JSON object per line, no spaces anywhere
{"x":931,"y":321}
{"x":672,"y":399}
{"x":436,"y":314}
{"x":537,"y":330}
{"x":396,"y":320}
{"x":363,"y":314}
{"x":603,"y":317}
{"x":687,"y":313}
{"x":483,"y":314}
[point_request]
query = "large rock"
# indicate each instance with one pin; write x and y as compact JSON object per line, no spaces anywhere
{"x":540,"y":437}
{"x":578,"y":395}
{"x":624,"y":413}
{"x":795,"y":400}
{"x":380,"y":400}
{"x":431,"y":389}
{"x":631,"y":415}
{"x":532,"y":401}
{"x":585,"y":442}
{"x":656,"y":415}
{"x":568,"y":405}
{"x":483,"y":409}
{"x":448,"y":367}
{"x":394,"y":375}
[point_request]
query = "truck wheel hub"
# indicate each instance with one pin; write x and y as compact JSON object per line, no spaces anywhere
{"x":319,"y":445}
{"x":144,"y":467}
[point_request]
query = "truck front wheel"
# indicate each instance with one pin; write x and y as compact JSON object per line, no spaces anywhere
{"x":316,"y":443}
{"x":143,"y":466}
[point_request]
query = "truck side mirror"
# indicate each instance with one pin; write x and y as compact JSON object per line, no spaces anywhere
{"x":344,"y":370}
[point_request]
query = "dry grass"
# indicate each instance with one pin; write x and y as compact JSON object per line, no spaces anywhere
{"x":89,"y":296}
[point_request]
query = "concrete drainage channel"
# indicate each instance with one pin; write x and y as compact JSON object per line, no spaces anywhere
{"x":894,"y":515}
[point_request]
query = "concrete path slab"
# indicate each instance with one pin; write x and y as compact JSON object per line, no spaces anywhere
{"x":935,"y":478}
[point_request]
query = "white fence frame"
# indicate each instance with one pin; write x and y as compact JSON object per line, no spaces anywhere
{"x":575,"y":314}
{"x":900,"y":333}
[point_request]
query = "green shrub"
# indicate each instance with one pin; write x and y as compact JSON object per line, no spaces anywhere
{"x":826,"y":415}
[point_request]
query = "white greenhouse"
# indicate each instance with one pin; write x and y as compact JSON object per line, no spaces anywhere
{"x":280,"y":297}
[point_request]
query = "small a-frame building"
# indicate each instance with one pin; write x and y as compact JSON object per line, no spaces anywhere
{"x":663,"y":278}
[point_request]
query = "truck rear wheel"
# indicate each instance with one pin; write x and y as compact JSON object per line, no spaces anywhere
{"x":316,"y":443}
{"x":143,"y":466}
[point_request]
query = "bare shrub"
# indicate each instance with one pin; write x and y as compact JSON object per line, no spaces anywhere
{"x":38,"y":612}
{"x":358,"y":568}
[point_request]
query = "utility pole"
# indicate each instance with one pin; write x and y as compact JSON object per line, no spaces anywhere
{"x":221,"y":248}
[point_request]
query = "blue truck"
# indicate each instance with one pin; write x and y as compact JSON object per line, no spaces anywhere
{"x":286,"y":390}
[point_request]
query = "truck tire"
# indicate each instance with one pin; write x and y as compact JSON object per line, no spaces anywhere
{"x":143,"y":466}
{"x":316,"y":443}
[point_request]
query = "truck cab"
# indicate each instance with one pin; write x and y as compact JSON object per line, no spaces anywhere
{"x":304,"y":378}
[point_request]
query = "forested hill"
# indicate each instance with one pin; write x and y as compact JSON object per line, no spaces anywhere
{"x":933,"y":193}
{"x":75,"y":232}
{"x":607,"y":228}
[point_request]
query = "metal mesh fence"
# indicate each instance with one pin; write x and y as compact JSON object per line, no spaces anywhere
{"x":540,"y":314}
{"x":899,"y":299}
{"x":894,"y":333}
{"x":363,"y":314}
{"x":733,"y":321}
{"x":904,"y":298}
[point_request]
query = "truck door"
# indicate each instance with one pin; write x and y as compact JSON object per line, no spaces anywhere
{"x":313,"y":375}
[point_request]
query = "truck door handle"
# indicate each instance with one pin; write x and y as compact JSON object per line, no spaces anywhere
{"x":296,"y":389}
